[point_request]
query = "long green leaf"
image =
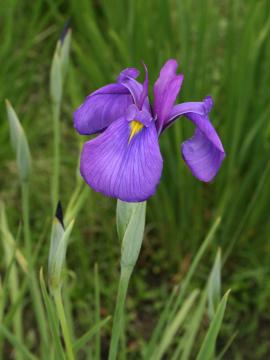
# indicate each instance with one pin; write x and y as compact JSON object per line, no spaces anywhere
{"x":17,"y":345}
{"x":53,"y":321}
{"x":89,"y":334}
{"x":174,"y":326}
{"x":207,"y":349}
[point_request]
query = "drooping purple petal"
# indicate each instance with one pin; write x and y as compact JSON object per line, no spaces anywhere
{"x":200,"y":108}
{"x":101,"y":108}
{"x":203,"y":153}
{"x":202,"y":156}
{"x":166,"y":89}
{"x":129,"y":171}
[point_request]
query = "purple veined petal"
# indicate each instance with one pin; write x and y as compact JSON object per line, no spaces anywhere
{"x":101,"y":108}
{"x":134,"y":88}
{"x":203,"y":153}
{"x":166,"y":89}
{"x":125,"y":170}
{"x":202,"y":156}
{"x":138,"y":91}
{"x":128,"y":72}
{"x":198,"y":112}
{"x":183,"y":109}
{"x":144,"y":92}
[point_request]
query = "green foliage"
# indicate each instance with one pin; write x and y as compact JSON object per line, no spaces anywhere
{"x":57,"y":254}
{"x":133,"y":234}
{"x":19,"y":144}
{"x":223,"y":50}
{"x":207,"y":349}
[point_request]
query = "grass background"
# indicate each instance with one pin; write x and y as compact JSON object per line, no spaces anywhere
{"x":223,"y":48}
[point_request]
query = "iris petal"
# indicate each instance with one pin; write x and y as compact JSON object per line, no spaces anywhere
{"x":101,"y":108}
{"x":128,"y":72}
{"x":166,"y":89}
{"x":202,"y":156}
{"x":138,"y":91}
{"x":129,"y":171}
{"x":203,"y":153}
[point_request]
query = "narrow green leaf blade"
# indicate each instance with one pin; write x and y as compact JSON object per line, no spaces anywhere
{"x":214,"y":285}
{"x":174,"y":326}
{"x":53,"y":321}
{"x":78,"y":344}
{"x":17,"y":345}
{"x":207,"y":349}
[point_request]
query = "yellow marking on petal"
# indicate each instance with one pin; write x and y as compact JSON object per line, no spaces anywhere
{"x":135,"y":127}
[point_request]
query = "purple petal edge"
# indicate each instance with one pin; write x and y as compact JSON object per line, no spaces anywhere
{"x":166,"y":89}
{"x":203,"y":152}
{"x":202,"y":157}
{"x":101,"y":108}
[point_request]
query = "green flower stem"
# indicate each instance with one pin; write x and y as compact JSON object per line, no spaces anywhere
{"x":26,"y":227}
{"x":56,"y":153}
{"x":77,"y":205}
{"x":130,"y":227}
{"x":119,"y":311}
{"x":63,"y":322}
{"x":33,"y":283}
{"x":74,"y":196}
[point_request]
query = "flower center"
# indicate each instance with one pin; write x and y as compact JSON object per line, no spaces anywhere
{"x":135,"y":128}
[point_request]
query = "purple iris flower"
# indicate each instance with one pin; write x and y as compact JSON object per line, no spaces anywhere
{"x":124,"y":161}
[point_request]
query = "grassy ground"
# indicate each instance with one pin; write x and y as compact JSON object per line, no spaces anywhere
{"x":223,"y":48}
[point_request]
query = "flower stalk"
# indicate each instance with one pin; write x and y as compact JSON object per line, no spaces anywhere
{"x":63,"y":322}
{"x":57,"y":77}
{"x":57,"y":256}
{"x":130,"y":226}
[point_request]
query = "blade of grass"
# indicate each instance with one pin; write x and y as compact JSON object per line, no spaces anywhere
{"x":174,"y":326}
{"x":53,"y":321}
{"x":9,"y":250}
{"x":208,"y":346}
{"x":194,"y":265}
{"x":16,"y":343}
{"x":79,"y":343}
{"x":97,"y":312}
{"x":187,"y":342}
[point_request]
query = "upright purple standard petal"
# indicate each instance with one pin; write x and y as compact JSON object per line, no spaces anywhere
{"x":144,"y":93}
{"x":203,"y":153}
{"x":101,"y":108}
{"x":139,"y":92}
{"x":135,"y":88}
{"x":166,"y":90}
{"x":120,"y":167}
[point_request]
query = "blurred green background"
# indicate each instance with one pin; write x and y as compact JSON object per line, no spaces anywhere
{"x":223,"y":48}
